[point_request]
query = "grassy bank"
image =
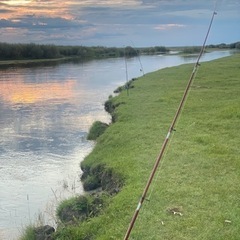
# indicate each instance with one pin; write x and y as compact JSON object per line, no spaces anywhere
{"x":6,"y":63}
{"x":200,"y":173}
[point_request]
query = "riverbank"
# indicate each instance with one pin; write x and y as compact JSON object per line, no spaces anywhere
{"x":9,"y":63}
{"x":199,"y":174}
{"x":37,"y":62}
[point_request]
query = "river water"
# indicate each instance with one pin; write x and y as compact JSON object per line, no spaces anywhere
{"x":45,"y":114}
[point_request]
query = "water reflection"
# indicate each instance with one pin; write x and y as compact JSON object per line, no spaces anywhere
{"x":43,"y":138}
{"x":38,"y":115}
{"x":20,"y":92}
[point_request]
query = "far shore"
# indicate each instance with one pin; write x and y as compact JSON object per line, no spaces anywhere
{"x":21,"y":62}
{"x":28,"y":61}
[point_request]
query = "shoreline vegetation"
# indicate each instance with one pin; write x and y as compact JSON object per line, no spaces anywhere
{"x":196,"y":193}
{"x":22,"y":54}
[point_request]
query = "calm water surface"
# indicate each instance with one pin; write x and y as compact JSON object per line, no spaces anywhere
{"x":45,"y":114}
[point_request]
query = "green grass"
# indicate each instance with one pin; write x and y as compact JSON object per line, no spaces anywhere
{"x":200,"y":171}
{"x":96,"y":130}
{"x":30,"y":61}
{"x":28,"y":233}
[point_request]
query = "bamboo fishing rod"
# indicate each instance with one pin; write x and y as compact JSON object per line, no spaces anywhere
{"x":171,"y":129}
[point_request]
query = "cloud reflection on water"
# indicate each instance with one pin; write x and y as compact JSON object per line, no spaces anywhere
{"x":19,"y":92}
{"x":38,"y":116}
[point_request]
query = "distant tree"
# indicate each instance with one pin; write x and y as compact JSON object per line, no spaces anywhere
{"x":211,"y":46}
{"x":130,"y":52}
{"x":232,"y":45}
{"x":237,"y":46}
{"x":222,"y":45}
{"x":161,"y":49}
{"x":190,"y":50}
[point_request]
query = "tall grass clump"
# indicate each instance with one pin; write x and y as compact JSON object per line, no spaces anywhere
{"x":80,"y":208}
{"x":100,"y":176}
{"x":29,"y":233}
{"x":96,"y":130}
{"x":38,"y":232}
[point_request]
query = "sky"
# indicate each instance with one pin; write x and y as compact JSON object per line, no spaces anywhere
{"x":118,"y":23}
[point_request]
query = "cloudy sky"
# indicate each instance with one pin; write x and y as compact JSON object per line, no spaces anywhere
{"x":119,"y":22}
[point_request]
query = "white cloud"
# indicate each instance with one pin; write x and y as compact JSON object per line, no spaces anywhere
{"x":191,"y":13}
{"x":107,"y":3}
{"x":16,"y":2}
{"x":169,"y":26}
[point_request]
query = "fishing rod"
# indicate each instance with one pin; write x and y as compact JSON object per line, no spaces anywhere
{"x":171,"y":129}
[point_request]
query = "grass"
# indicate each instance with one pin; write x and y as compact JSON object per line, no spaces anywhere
{"x":80,"y":208}
{"x":28,"y":233}
{"x":200,"y":172}
{"x":96,"y":130}
{"x":199,"y":175}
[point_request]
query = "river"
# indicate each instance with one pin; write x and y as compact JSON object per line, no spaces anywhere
{"x":45,"y":114}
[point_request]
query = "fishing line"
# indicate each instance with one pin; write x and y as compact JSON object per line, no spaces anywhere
{"x":139,"y":59}
{"x":170,"y":131}
{"x":126,"y":68}
{"x":217,"y":4}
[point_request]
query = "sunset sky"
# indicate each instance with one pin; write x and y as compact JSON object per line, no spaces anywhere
{"x":119,"y":22}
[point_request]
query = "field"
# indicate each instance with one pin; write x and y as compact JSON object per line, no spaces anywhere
{"x":195,"y":193}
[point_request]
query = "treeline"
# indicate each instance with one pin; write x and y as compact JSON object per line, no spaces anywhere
{"x":37,"y":51}
{"x":28,"y":51}
{"x":197,"y":49}
{"x":191,"y":50}
{"x":235,"y":45}
{"x":154,"y":50}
